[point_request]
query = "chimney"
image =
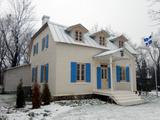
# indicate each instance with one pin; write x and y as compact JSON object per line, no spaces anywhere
{"x":45,"y":19}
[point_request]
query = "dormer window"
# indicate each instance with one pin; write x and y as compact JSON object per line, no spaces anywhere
{"x":121,"y":43}
{"x":102,"y":40}
{"x":78,"y":35}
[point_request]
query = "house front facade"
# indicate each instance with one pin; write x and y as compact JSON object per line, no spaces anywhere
{"x":74,"y":61}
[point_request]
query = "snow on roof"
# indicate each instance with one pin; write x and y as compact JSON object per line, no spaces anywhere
{"x":108,"y":52}
{"x":129,"y":48}
{"x":60,"y":34}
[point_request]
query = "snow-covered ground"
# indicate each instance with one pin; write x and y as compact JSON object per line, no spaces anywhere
{"x":91,"y":109}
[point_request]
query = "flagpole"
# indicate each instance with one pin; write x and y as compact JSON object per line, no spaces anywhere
{"x":155,"y":68}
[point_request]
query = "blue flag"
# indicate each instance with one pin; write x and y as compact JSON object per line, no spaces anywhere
{"x":148,"y":40}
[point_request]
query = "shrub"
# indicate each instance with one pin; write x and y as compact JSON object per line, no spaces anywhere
{"x":46,"y":95}
{"x":36,"y":100}
{"x":20,"y":102}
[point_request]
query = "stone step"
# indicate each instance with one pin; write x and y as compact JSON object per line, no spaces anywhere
{"x":132,"y":102}
{"x":127,"y":98}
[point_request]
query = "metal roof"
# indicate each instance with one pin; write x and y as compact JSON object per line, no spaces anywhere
{"x":108,"y":52}
{"x":59,"y":34}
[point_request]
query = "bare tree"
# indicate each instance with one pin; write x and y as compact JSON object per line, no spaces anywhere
{"x":154,"y":11}
{"x":16,"y":29}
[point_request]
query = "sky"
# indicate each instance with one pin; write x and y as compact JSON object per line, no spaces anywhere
{"x":128,"y":17}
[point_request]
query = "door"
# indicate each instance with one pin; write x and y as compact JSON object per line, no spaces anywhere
{"x":104,"y":74}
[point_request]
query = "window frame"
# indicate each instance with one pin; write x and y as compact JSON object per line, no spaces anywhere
{"x":44,"y":73}
{"x":121,"y":44}
{"x":78,"y":36}
{"x":104,"y":71}
{"x":35,"y":77}
{"x":102,"y":40}
{"x":81,"y":72}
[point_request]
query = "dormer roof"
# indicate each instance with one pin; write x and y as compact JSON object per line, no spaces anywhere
{"x":100,"y":32}
{"x":70,"y":28}
{"x":120,"y":37}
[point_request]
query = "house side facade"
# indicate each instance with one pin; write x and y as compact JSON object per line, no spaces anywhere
{"x":47,"y":56}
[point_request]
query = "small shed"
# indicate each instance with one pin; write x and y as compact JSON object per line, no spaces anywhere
{"x":13,"y":75}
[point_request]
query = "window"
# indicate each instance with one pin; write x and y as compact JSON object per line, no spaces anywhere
{"x":34,"y":73}
{"x":102,"y":40}
{"x":104,"y":71}
{"x":121,"y":44}
{"x":80,"y":72}
{"x":45,"y":41}
{"x":122,"y":73}
{"x":35,"y":49}
{"x":44,"y":72}
{"x":78,"y":36}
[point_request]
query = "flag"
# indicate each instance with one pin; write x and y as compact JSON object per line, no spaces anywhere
{"x":148,"y":40}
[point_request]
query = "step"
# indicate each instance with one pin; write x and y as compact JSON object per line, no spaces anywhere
{"x":127,"y":103}
{"x":127,"y":98}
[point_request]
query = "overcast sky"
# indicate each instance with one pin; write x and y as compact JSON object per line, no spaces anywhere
{"x":122,"y":16}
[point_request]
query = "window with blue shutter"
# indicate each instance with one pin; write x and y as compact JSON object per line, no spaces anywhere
{"x":109,"y":77}
{"x":127,"y":74}
{"x":88,"y":72}
{"x":98,"y":77}
{"x":47,"y":39}
{"x":42,"y":73}
{"x":32,"y":74}
{"x":47,"y":72}
{"x":73,"y":72}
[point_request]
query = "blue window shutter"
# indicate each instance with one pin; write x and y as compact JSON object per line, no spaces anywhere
{"x":120,"y":72}
{"x":42,"y":71}
{"x":34,"y":50}
{"x":47,"y":39}
{"x":43,"y":40}
{"x":37,"y":48}
{"x":88,"y":72}
{"x":109,"y":77}
{"x":98,"y":77}
{"x":127,"y":74}
{"x":73,"y":72}
{"x":32,"y":74}
{"x":47,"y":72}
{"x":117,"y":73}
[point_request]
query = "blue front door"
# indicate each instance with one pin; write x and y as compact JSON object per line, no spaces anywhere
{"x":103,"y":77}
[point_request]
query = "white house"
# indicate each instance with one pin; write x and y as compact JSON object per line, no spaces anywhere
{"x":76,"y":62}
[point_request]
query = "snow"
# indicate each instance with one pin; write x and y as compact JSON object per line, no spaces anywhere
{"x":90,"y":109}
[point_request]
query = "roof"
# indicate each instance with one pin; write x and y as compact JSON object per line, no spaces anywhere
{"x":59,"y":34}
{"x":77,"y":25}
{"x":109,"y":52}
{"x":130,"y":48}
{"x":119,"y":36}
{"x":23,"y":65}
{"x":102,"y":31}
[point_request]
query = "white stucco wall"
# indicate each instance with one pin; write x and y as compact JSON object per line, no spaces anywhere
{"x":73,"y":53}
{"x":44,"y":57}
{"x":12,"y":77}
